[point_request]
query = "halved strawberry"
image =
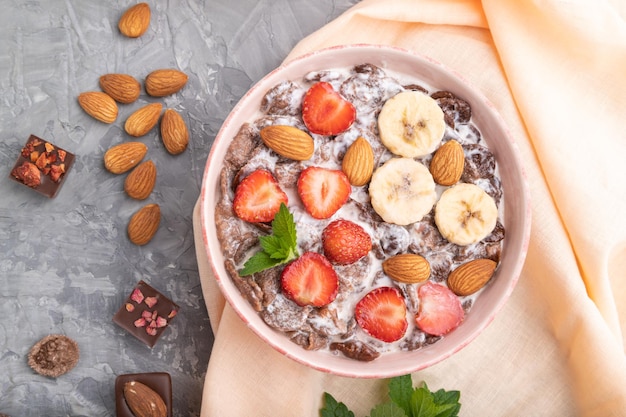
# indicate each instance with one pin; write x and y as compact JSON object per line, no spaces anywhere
{"x":345,"y":242}
{"x":325,"y":111}
{"x":310,"y":280}
{"x":258,"y":197}
{"x":440,"y":309}
{"x":323,"y":191}
{"x":382,"y":314}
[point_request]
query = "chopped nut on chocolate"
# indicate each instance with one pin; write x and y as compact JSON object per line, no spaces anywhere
{"x":42,"y":166}
{"x":27,"y":173}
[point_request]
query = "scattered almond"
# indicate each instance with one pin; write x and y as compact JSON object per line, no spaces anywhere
{"x":358,"y":162}
{"x":448,"y":163}
{"x":99,"y":105}
{"x":288,"y":141}
{"x":143,"y":401}
{"x":163,"y":82}
{"x":174,"y":132}
{"x":144,"y":224}
{"x":471,"y":276}
{"x":142,"y":120}
{"x":123,"y":88}
{"x":407,"y":268}
{"x":121,"y":158}
{"x":140,"y":182}
{"x":135,"y":21}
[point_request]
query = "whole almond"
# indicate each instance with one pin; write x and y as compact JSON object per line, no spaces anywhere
{"x":144,"y":224}
{"x":123,"y":88}
{"x":163,"y":82}
{"x":174,"y":132}
{"x":288,"y":141}
{"x":140,"y":182}
{"x":121,"y":158}
{"x":135,"y":20}
{"x":471,"y":276}
{"x":143,"y":401}
{"x":99,"y":105}
{"x":448,"y":162}
{"x":142,"y":120}
{"x":407,"y":268}
{"x":358,"y":162}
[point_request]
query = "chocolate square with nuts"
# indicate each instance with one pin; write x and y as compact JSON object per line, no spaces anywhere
{"x":146,"y":313}
{"x":159,"y":382}
{"x":42,"y":166}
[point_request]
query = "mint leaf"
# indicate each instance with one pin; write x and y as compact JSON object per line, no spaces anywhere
{"x":450,"y":399}
{"x":442,"y":396}
{"x":447,"y":410}
{"x":278,"y":248}
{"x":400,"y":392}
{"x":389,"y":409}
{"x":440,"y":404}
{"x":332,"y":408}
{"x":260,"y":261}
{"x":283,"y":226}
{"x":422,"y":403}
{"x":406,"y":401}
{"x":272,"y":246}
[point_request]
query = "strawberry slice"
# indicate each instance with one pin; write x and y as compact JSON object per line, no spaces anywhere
{"x":310,"y":280}
{"x":325,"y":111}
{"x":258,"y":197}
{"x":382,"y":314}
{"x":345,"y":242}
{"x":323,"y":191}
{"x":440,"y":309}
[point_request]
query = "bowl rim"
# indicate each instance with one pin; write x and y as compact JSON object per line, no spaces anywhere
{"x":326,"y":361}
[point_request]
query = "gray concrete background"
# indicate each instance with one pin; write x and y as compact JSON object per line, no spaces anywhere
{"x":66,"y":264}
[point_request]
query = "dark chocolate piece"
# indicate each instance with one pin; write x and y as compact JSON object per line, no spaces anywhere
{"x":146,"y":313}
{"x":159,"y":382}
{"x":42,"y":166}
{"x":53,"y":355}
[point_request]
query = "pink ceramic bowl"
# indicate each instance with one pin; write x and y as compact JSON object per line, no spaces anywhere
{"x":516,"y":210}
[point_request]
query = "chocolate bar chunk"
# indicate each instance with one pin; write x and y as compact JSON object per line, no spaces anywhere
{"x":146,"y":313}
{"x":159,"y":382}
{"x":42,"y":166}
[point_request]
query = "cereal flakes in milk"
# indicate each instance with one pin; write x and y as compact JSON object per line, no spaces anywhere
{"x":333,"y":327}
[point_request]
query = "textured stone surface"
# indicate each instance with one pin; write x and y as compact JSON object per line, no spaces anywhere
{"x":66,"y":264}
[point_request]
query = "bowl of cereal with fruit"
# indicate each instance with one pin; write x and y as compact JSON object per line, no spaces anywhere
{"x":365,"y":211}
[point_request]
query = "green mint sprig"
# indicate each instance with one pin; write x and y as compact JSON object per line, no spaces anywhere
{"x":406,"y":401}
{"x":332,"y":408}
{"x":278,"y":248}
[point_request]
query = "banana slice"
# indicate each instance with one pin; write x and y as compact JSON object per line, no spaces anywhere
{"x":465,"y":214}
{"x":402,"y":191}
{"x":411,"y":124}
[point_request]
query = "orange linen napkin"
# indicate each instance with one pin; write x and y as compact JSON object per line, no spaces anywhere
{"x":556,"y":71}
